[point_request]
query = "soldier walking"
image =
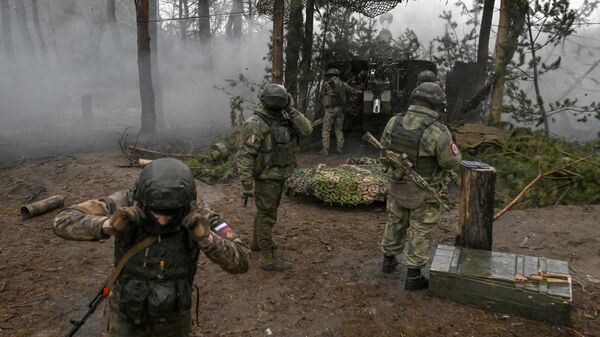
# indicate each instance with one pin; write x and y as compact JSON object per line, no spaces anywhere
{"x":266,"y":158}
{"x":158,"y":218}
{"x":334,"y":100}
{"x":412,"y":212}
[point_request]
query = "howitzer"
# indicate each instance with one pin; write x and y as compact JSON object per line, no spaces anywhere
{"x":401,"y":162}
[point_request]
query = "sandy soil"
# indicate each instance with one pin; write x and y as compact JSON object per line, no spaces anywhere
{"x":335,"y":287}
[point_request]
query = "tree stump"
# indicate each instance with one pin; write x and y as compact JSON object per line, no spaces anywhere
{"x":476,"y":205}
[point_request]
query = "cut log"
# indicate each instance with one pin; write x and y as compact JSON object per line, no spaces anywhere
{"x":476,"y":206}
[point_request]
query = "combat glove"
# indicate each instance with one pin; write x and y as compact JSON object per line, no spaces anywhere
{"x":122,"y":218}
{"x":197,"y":225}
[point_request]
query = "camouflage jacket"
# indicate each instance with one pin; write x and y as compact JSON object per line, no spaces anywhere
{"x":436,"y":140}
{"x":259,"y":144}
{"x":84,"y":221}
{"x":330,"y":99}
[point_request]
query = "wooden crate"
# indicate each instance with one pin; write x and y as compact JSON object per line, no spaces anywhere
{"x":533,"y":287}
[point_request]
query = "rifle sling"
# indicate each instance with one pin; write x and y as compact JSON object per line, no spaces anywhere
{"x":138,"y":247}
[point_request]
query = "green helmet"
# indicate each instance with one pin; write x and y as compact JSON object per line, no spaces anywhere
{"x":429,"y":92}
{"x":166,"y":184}
{"x":426,"y":76}
{"x":332,"y":72}
{"x":274,"y":96}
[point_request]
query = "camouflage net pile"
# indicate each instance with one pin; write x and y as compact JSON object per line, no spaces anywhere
{"x":357,"y":182}
{"x":218,"y":163}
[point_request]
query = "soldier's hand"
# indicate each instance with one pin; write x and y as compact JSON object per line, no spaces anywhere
{"x":198,"y":225}
{"x":122,"y":218}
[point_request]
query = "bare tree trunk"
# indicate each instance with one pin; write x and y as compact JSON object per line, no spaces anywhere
{"x":294,"y":42}
{"x":512,"y":19}
{"x":500,"y":68}
{"x":233,"y":27}
{"x":278,"y":8}
{"x":305,"y":66}
{"x":22,"y":24}
{"x":153,"y":27}
{"x":38,"y":28}
{"x":183,"y":13}
{"x":142,"y":8}
{"x":111,"y":19}
{"x":484,"y":34}
{"x":6,"y":27}
{"x":204,"y":21}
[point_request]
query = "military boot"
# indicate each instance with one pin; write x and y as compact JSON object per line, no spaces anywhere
{"x":270,"y":262}
{"x":324,"y":152}
{"x":389,"y":263}
{"x":415,"y":280}
{"x":340,"y":150}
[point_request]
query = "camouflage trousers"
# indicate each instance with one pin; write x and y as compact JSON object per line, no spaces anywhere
{"x":267,"y":196}
{"x":179,"y":326}
{"x":334,"y":117}
{"x":412,"y":228}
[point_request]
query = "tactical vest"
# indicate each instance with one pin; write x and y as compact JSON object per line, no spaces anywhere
{"x":409,"y":142}
{"x":157,"y":282}
{"x":280,"y":144}
{"x":338,"y":98}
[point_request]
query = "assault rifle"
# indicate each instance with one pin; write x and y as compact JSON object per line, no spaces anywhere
{"x":92,"y":306}
{"x":401,"y":162}
{"x":110,"y":282}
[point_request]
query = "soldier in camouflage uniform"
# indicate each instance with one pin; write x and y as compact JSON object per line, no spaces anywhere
{"x":266,"y":158}
{"x":412,"y":212}
{"x":334,"y":98}
{"x":153,"y":295}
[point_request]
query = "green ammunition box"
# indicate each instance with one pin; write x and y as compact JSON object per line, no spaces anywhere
{"x":532,"y":287}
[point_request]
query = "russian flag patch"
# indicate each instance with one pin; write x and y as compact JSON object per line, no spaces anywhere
{"x":222,"y":229}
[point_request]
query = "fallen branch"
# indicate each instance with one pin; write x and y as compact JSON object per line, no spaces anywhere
{"x":535,"y":180}
{"x":158,"y":153}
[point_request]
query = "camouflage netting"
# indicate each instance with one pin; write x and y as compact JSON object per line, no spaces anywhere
{"x":371,"y":8}
{"x":368,"y":8}
{"x":357,"y":182}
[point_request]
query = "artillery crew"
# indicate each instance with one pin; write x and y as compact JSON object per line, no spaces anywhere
{"x":334,"y":100}
{"x":412,"y":212}
{"x":266,"y":158}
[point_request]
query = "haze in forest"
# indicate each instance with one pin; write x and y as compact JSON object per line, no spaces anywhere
{"x":41,"y":92}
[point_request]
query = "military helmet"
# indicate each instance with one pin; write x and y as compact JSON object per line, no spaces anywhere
{"x":166,"y":184}
{"x":274,"y":96}
{"x":426,"y":76}
{"x":332,"y":72}
{"x":429,"y":92}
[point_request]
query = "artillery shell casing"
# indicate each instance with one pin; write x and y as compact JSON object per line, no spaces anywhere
{"x":42,"y":206}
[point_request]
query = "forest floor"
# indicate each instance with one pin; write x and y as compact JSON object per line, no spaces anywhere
{"x":334,"y":288}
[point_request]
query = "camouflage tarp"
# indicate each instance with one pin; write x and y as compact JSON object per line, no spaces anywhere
{"x":357,"y":182}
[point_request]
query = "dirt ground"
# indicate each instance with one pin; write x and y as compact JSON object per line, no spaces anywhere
{"x":335,"y":287}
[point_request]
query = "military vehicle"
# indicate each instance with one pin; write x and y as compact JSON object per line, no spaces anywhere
{"x":386,"y":86}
